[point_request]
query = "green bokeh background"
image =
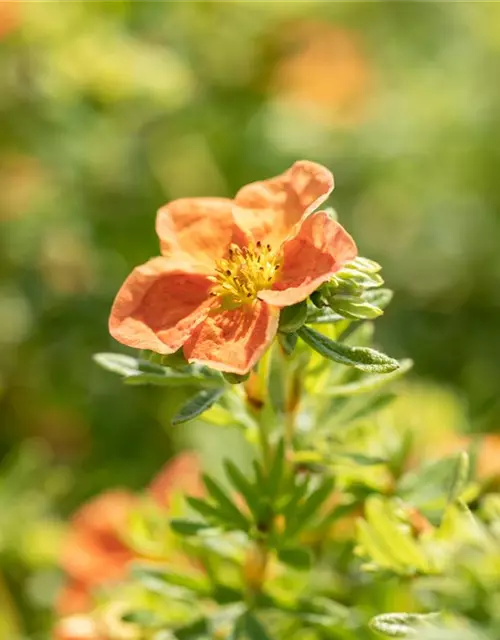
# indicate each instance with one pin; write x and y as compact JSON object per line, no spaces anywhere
{"x":108,"y":110}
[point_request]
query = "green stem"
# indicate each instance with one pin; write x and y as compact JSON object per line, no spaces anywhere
{"x":264,"y":442}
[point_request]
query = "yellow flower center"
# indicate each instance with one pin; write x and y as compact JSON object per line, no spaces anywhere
{"x":245,"y":272}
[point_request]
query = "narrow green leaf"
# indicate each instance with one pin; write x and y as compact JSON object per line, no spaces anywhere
{"x":287,"y":342}
{"x":402,"y":625}
{"x":253,"y":628}
{"x":323,"y":316}
{"x":355,"y":308}
{"x":369,"y":383}
{"x":365,"y":264}
{"x":309,"y":508}
{"x":117,"y":363}
{"x":288,"y":507}
{"x":460,"y":477}
{"x":199,"y":403}
{"x":142,"y":617}
{"x":371,"y":405}
{"x":276,"y":381}
{"x":235,"y":378}
{"x":361,"y":358}
{"x":187,"y":527}
{"x":292,"y":317}
{"x":379,"y":297}
{"x":361,"y":459}
{"x":224,"y":503}
{"x":276,"y":472}
{"x":197,"y":583}
{"x":242,"y":485}
{"x":296,"y":557}
{"x":198,"y":630}
{"x":211,"y":513}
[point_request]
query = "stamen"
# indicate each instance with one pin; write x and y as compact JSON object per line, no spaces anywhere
{"x":246,"y":271}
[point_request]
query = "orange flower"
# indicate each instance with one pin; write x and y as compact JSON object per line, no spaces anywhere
{"x":94,"y":552}
{"x":227,"y":268}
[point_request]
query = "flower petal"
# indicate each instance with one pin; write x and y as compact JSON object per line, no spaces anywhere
{"x":159,"y":305}
{"x":269,"y":209}
{"x":202,"y":228}
{"x":233,"y":340}
{"x":311,"y":257}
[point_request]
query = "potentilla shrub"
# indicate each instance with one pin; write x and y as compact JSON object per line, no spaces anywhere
{"x":258,"y":316}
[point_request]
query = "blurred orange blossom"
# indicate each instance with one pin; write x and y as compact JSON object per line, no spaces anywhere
{"x":327,"y":70}
{"x":95,"y":552}
{"x":228,"y":266}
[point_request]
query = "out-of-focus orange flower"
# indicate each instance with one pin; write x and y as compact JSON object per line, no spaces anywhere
{"x":327,"y":70}
{"x":9,"y":16}
{"x":227,"y":268}
{"x":94,"y":552}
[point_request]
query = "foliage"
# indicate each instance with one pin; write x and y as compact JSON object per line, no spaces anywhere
{"x":110,"y":109}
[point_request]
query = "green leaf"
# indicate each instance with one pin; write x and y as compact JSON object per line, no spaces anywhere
{"x":323,"y":316}
{"x":384,"y":539}
{"x":293,"y":317}
{"x":276,"y":380}
{"x":187,"y":527}
{"x":117,"y":363}
{"x":379,"y":297}
{"x":430,"y":487}
{"x":235,"y":378}
{"x":208,"y":511}
{"x":403,"y":625}
{"x":253,"y":628}
{"x":198,"y":630}
{"x":460,"y":477}
{"x":362,"y":279}
{"x":355,"y":308}
{"x":145,"y":372}
{"x":225,"y":505}
{"x":361,"y":358}
{"x":287,"y":342}
{"x":143,"y":618}
{"x":306,"y":511}
{"x":198,"y":583}
{"x":296,"y":557}
{"x":276,"y":472}
{"x":371,"y":405}
{"x":199,"y":403}
{"x":369,"y":383}
{"x":242,"y":485}
{"x":361,"y":459}
{"x":364,"y":264}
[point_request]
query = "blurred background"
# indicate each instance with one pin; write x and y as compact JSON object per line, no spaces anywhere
{"x":110,"y":109}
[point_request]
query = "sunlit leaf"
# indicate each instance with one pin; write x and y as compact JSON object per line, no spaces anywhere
{"x":362,"y":358}
{"x":296,"y":557}
{"x":403,"y":625}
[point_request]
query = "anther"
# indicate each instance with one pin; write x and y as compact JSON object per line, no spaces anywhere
{"x":268,"y":247}
{"x":228,"y":272}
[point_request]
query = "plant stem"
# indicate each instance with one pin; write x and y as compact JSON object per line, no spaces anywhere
{"x":264,"y":442}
